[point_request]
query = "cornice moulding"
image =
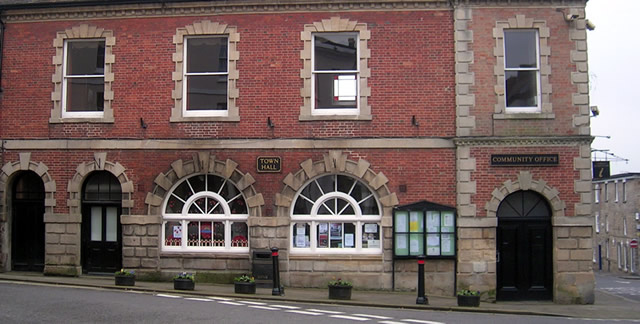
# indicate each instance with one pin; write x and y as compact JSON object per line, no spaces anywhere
{"x":523,"y":141}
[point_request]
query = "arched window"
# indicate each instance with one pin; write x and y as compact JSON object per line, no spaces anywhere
{"x":336,"y":214}
{"x":205,"y":213}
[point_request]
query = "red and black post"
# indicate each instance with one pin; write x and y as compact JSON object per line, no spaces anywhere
{"x":277,"y":289}
{"x":422,"y":299}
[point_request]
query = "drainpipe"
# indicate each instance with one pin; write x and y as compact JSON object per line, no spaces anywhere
{"x":1,"y":48}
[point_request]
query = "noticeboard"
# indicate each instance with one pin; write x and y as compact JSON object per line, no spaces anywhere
{"x":424,"y":228}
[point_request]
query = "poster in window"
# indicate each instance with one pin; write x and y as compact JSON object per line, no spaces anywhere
{"x":416,"y":221}
{"x":401,"y":221}
{"x":433,"y":244}
{"x":348,"y":240}
{"x":323,"y":228}
{"x":433,"y":221}
{"x":323,"y":241}
{"x":416,"y":244}
{"x":301,"y":229}
{"x":336,"y":230}
{"x":371,"y":228}
{"x":448,"y":247}
{"x":447,"y":222}
{"x":177,"y":231}
{"x":300,"y":241}
{"x":401,"y":245}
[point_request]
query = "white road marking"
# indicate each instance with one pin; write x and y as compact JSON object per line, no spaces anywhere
{"x":421,"y":321}
{"x":220,"y":298}
{"x":263,"y":307}
{"x":373,"y":316}
{"x":286,"y":306}
{"x":353,"y":318}
{"x":231,"y":303}
{"x":168,"y":296}
{"x":303,"y":312}
{"x":391,"y":322}
{"x":623,"y":282}
{"x":324,"y":311}
{"x":251,"y":302}
{"x":200,"y":299}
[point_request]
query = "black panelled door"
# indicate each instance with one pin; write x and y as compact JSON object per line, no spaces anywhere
{"x":524,"y":247}
{"x":101,"y":229}
{"x":27,"y":228}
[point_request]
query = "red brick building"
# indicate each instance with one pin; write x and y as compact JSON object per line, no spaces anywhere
{"x":169,"y":136}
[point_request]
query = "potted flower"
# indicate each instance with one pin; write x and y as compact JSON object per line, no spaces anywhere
{"x":184,"y":281}
{"x":244,"y":285}
{"x":468,"y":298}
{"x":125,"y":277}
{"x":340,"y":289}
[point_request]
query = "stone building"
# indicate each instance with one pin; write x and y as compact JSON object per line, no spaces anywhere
{"x":616,"y":212}
{"x":169,"y":136}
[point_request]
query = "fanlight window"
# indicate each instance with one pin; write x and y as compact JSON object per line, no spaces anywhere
{"x":336,"y":214}
{"x":205,"y":213}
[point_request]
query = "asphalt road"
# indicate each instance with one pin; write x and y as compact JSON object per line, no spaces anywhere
{"x":627,"y":287}
{"x":28,"y":303}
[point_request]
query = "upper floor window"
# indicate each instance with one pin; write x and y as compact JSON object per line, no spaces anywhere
{"x":624,"y":191}
{"x":522,"y":71}
{"x":336,"y":214}
{"x":606,"y":192}
{"x":206,"y":73}
{"x":597,"y":222}
{"x":83,"y":86}
{"x":206,"y":76}
{"x":83,"y":75}
{"x":596,"y":193}
{"x":335,"y":73}
{"x":615,"y":188}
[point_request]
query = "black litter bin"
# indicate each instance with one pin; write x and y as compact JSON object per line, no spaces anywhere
{"x":262,"y":268}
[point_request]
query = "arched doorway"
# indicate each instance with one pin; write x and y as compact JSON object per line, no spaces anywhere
{"x":524,"y":246}
{"x":101,"y":230}
{"x":27,"y":229}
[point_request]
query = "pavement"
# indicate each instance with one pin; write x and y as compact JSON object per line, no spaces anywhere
{"x":606,"y":306}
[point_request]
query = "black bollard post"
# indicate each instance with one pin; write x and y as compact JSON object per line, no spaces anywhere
{"x":422,"y":299}
{"x":277,"y":289}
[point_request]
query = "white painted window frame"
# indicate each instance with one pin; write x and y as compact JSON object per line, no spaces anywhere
{"x":186,"y":75}
{"x":538,"y":108}
{"x":185,"y":217}
{"x":597,"y":221}
{"x":319,"y":111}
{"x":615,"y":188}
{"x":313,"y":219}
{"x":596,"y":193}
{"x":65,"y":78}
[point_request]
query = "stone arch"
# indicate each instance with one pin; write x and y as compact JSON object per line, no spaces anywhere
{"x":24,"y":163}
{"x":99,"y":163}
{"x":525,"y":181}
{"x":337,"y":162}
{"x":204,"y":162}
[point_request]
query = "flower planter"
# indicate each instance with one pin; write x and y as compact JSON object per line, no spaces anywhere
{"x":183,"y":284}
{"x":340,"y":292}
{"x":468,"y":301}
{"x":124,"y":280}
{"x":244,"y":287}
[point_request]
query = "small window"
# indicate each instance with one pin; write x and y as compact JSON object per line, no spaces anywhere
{"x":624,"y":191}
{"x":597,"y":224}
{"x":606,"y":192}
{"x":335,"y":72}
{"x":624,"y":226}
{"x":615,"y":189}
{"x":206,"y":76}
{"x":596,"y":193}
{"x":619,"y":254}
{"x":606,"y":223}
{"x":83,"y":84}
{"x":522,"y":72}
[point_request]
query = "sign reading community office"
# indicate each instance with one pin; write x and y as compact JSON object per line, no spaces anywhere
{"x":524,"y":159}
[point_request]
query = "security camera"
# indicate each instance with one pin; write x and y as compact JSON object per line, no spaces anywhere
{"x":594,"y":111}
{"x":571,"y":17}
{"x":590,"y":25}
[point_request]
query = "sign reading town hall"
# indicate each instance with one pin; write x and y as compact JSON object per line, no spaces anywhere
{"x":524,"y":159}
{"x":269,"y":164}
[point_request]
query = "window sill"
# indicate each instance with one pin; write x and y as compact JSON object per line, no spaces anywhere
{"x":181,"y":119}
{"x":205,"y":254}
{"x":98,"y":120}
{"x":335,"y":117}
{"x":335,"y":257}
{"x":524,"y":116}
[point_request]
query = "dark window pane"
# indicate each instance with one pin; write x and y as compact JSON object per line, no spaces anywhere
{"x":174,"y":206}
{"x":102,"y":186}
{"x":522,"y":88}
{"x":207,"y":92}
{"x":207,"y":54}
{"x":85,"y":58}
{"x":334,"y":90}
{"x":520,"y":49}
{"x":302,"y":207}
{"x":369,"y":206}
{"x":197,"y":183}
{"x":85,"y":94}
{"x":327,"y":183}
{"x":29,"y":186}
{"x":345,"y":183}
{"x":336,"y":52}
